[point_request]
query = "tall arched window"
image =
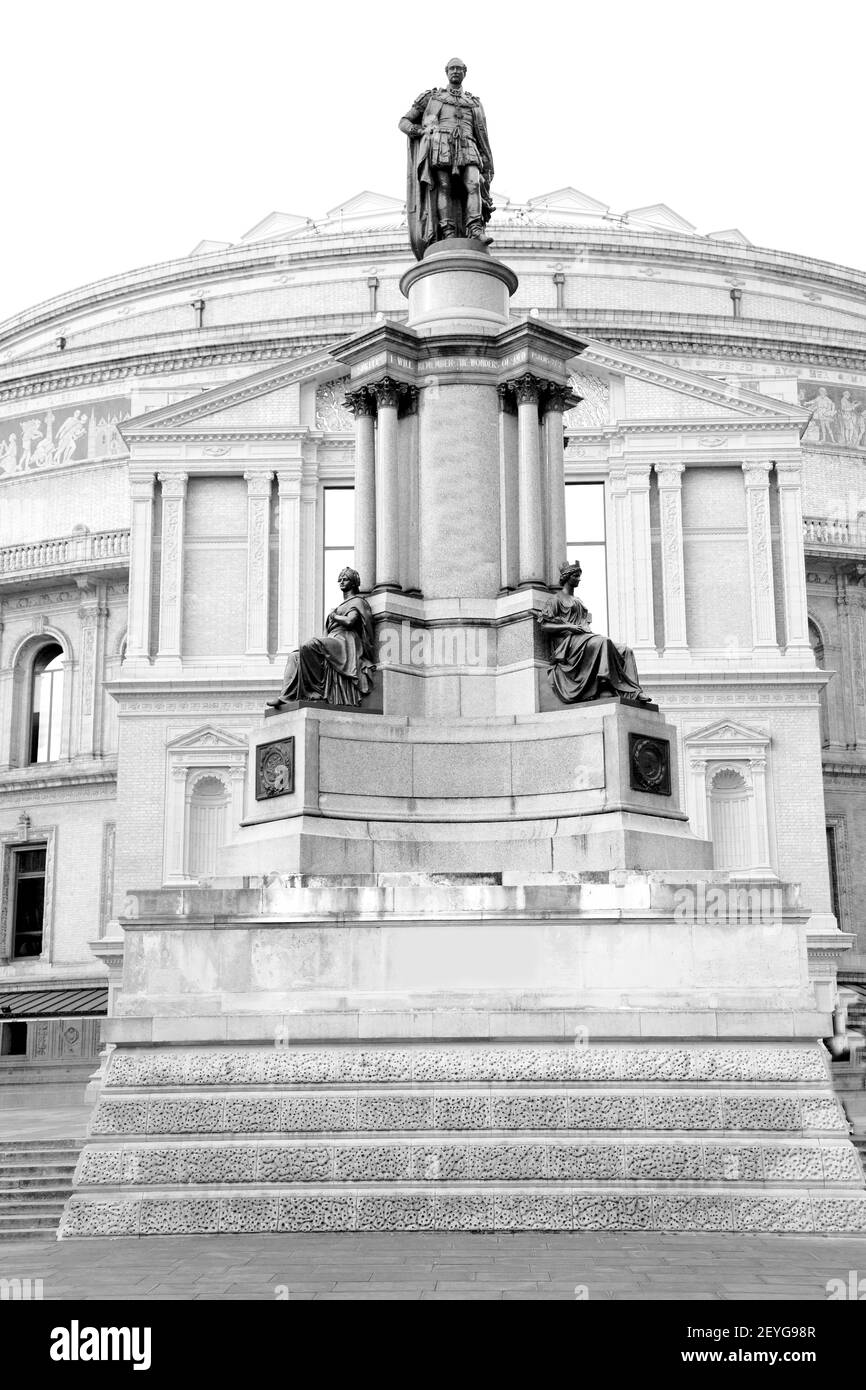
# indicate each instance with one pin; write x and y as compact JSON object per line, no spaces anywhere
{"x":46,"y":704}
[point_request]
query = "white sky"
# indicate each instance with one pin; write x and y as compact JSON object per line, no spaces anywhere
{"x":132,"y":131}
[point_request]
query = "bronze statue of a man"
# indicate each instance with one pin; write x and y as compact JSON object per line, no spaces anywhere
{"x":450,"y":164}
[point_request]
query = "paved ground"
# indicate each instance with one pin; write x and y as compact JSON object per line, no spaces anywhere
{"x":420,"y":1266}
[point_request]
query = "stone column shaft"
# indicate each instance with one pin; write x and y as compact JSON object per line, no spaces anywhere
{"x":757,"y":482}
{"x":532,"y":567}
{"x":633,"y":555}
{"x":289,"y":494}
{"x":670,"y":477}
{"x":387,"y":488}
{"x":509,"y":483}
{"x":258,"y":560}
{"x":789,"y":478}
{"x":140,"y":564}
{"x":365,"y":487}
{"x":171,"y":580}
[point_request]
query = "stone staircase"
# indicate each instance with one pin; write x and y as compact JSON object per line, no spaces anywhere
{"x":35,"y":1183}
{"x":468,"y":1136}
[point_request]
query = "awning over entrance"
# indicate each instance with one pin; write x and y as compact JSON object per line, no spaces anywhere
{"x":53,"y":1003}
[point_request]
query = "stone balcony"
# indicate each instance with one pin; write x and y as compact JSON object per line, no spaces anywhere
{"x":82,"y":552}
{"x":835,"y":537}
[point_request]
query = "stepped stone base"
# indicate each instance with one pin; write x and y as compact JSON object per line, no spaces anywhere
{"x":468,"y":1137}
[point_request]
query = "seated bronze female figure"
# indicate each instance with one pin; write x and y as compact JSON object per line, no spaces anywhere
{"x":335,"y":668}
{"x":585,"y":665}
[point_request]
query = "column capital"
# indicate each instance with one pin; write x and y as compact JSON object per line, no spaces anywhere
{"x":361,"y":403}
{"x":173,"y":484}
{"x":527,"y":389}
{"x":789,"y":472}
{"x":670,"y":475}
{"x":636,"y":475}
{"x":258,"y":482}
{"x":142,"y":486}
{"x":756,"y":472}
{"x":387,"y":393}
{"x":289,"y":479}
{"x":408,"y":400}
{"x":553,"y":398}
{"x":507,"y":402}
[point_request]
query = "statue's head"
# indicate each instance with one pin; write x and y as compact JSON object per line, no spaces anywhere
{"x":349,"y":579}
{"x":455,"y":70}
{"x":570,"y":572}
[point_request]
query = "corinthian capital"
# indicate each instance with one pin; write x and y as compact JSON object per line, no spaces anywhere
{"x":526,"y":388}
{"x":360,"y":403}
{"x":387,"y":393}
{"x":553,"y":398}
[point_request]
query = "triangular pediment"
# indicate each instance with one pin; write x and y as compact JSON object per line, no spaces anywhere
{"x":366,"y":204}
{"x":266,"y":400}
{"x":660,"y":216}
{"x":727,"y":733}
{"x":277,"y":225}
{"x":657,"y":392}
{"x":207,"y":738}
{"x":207,"y":248}
{"x":569,"y":200}
{"x":732,"y":234}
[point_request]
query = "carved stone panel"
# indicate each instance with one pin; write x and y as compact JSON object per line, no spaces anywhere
{"x":649,"y":764}
{"x":275,"y":769}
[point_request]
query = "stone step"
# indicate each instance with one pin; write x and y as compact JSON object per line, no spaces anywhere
{"x":16,"y":1181}
{"x":53,"y":1209}
{"x":503,"y":1108}
{"x":30,"y":1221}
{"x":10,"y":1151}
{"x":470,"y":1158}
{"x":12,"y":1174}
{"x":28,"y":1233}
{"x":11,"y":1196}
{"x":525,"y":1207}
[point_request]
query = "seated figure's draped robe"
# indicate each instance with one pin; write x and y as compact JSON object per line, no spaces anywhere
{"x":336,"y":667}
{"x":586,"y":665}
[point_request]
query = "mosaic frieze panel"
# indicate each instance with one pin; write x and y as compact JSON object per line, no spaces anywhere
{"x":64,"y":434}
{"x":837,"y":414}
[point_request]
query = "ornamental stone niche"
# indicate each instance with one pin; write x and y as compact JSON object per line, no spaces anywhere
{"x":727,"y":795}
{"x":205,"y":773}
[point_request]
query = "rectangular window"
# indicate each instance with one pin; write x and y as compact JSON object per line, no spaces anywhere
{"x":13,"y":1039}
{"x":28,"y":901}
{"x":586,"y":541}
{"x":833,"y":864}
{"x":339,"y":538}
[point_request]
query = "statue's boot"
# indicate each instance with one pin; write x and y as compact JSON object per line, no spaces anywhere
{"x":476,"y":231}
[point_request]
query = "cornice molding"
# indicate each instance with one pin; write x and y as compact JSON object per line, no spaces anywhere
{"x":278,"y":256}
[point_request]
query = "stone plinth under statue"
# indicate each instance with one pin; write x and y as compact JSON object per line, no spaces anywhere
{"x":466,"y":966}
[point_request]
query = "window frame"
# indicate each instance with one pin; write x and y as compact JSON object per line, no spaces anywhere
{"x":56,"y":704}
{"x":12,"y":842}
{"x":329,"y":601}
{"x":596,"y":480}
